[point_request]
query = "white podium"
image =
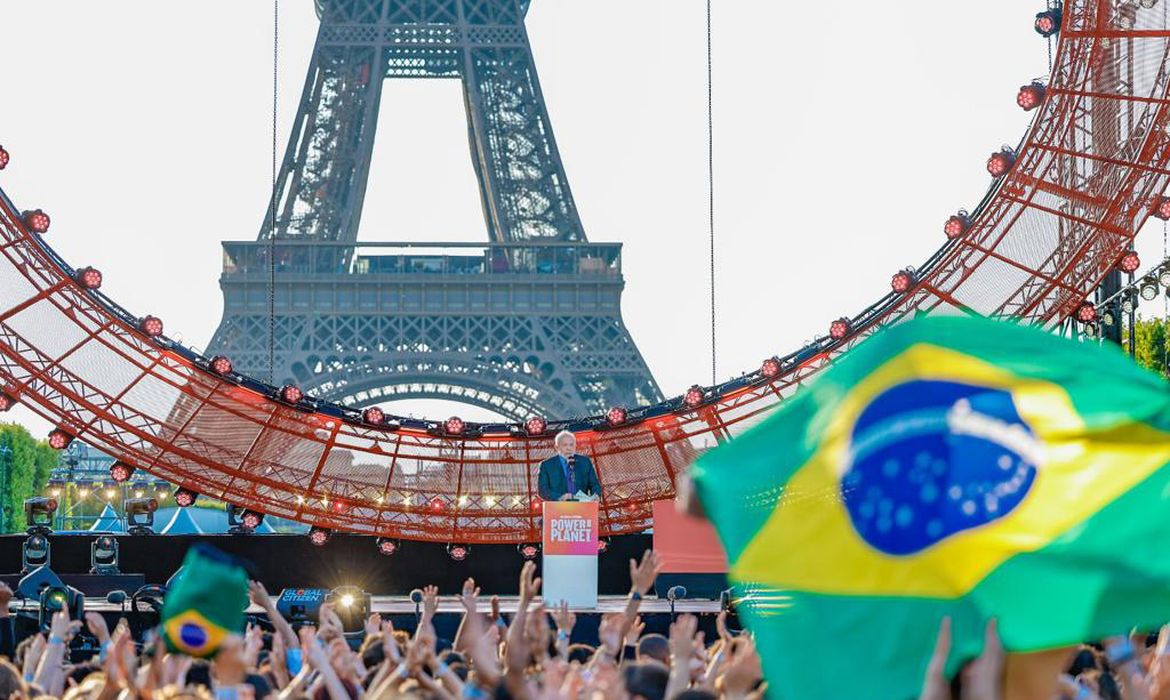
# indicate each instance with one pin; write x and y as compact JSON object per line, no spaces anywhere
{"x":570,"y":554}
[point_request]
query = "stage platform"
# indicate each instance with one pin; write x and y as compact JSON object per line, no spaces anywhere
{"x":401,"y":605}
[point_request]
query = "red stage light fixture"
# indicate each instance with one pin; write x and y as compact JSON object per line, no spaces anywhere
{"x":1048,"y":22}
{"x":535,"y":425}
{"x":221,"y":365}
{"x":1162,"y":208}
{"x":694,"y":396}
{"x":252,"y":519}
{"x":1001,"y":162}
{"x":602,"y":545}
{"x":37,"y":221}
{"x":6,"y":402}
{"x":185,"y":498}
{"x":458,"y":552}
{"x":59,"y":439}
{"x":121,"y":472}
{"x":89,"y":277}
{"x":387,"y":547}
{"x":902,"y":281}
{"x":319,"y":535}
{"x":1086,"y":312}
{"x":1030,"y":96}
{"x":770,"y":367}
{"x":957,"y":225}
{"x":839,"y":329}
{"x":453,"y":425}
{"x":374,"y":415}
{"x":290,"y":393}
{"x":616,"y":415}
{"x":151,"y":325}
{"x":436,"y":504}
{"x":1129,"y":262}
{"x":528,"y":550}
{"x":3,"y":158}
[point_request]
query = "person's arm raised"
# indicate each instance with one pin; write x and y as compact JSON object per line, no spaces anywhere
{"x":642,"y":575}
{"x":259,"y":596}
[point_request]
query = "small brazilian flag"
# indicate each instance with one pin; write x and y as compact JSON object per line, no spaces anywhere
{"x":206,"y":604}
{"x":947,"y":466}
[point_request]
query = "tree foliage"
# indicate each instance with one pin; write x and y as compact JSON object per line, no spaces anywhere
{"x":1150,"y":348}
{"x":26,"y":463}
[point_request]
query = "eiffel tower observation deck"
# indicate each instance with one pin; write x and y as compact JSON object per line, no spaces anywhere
{"x":527,"y":323}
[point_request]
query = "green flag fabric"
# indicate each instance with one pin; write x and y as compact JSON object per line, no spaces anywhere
{"x":206,"y":604}
{"x":946,"y":467}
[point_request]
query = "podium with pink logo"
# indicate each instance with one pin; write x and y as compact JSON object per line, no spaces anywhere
{"x":570,"y":554}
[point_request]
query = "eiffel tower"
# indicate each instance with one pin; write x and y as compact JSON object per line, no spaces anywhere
{"x":526,"y":323}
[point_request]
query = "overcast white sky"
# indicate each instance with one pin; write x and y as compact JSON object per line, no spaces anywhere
{"x":846,"y":132}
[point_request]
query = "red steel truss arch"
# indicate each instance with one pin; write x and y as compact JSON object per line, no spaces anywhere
{"x":1084,"y":180}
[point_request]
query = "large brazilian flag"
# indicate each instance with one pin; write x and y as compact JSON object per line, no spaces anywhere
{"x":946,"y":466}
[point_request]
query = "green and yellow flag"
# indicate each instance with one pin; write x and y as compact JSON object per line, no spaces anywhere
{"x":947,"y":466}
{"x":206,"y":604}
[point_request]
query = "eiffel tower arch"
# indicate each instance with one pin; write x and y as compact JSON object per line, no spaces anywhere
{"x":528,"y":323}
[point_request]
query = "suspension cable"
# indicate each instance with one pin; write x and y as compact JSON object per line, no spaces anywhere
{"x":272,"y":204}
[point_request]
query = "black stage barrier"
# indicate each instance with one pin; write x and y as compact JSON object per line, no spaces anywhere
{"x":291,"y":561}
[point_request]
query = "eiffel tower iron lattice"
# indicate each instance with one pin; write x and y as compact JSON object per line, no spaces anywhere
{"x":527,"y":324}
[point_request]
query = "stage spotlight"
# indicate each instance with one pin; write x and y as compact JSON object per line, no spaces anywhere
{"x":387,"y":546}
{"x":319,"y":536}
{"x":535,"y":425}
{"x":185,"y":498}
{"x":616,"y":415}
{"x":140,"y":515}
{"x":59,"y":439}
{"x":1048,"y":22}
{"x":1090,"y":331}
{"x":602,"y":545}
{"x":839,"y":329}
{"x":1086,"y":312}
{"x":151,"y":326}
{"x":243,"y":521}
{"x":6,"y":402}
{"x":37,"y":221}
{"x":902,"y":281}
{"x":458,"y":552}
{"x":374,"y":415}
{"x":770,"y":367}
{"x":1164,"y":277}
{"x":34,"y":553}
{"x":1107,"y":318}
{"x":89,"y":277}
{"x":1030,"y":96}
{"x":1001,"y":162}
{"x":1162,"y":208}
{"x":528,"y":550}
{"x":352,"y":605}
{"x":694,"y":396}
{"x":1125,"y":16}
{"x":3,"y":158}
{"x":121,"y":472}
{"x":103,"y":556}
{"x":957,"y":224}
{"x":38,"y":513}
{"x":1147,"y":4}
{"x":60,"y":597}
{"x":454,"y":425}
{"x":1149,"y":289}
{"x":221,"y":365}
{"x":1129,"y":302}
{"x":290,"y":393}
{"x":1129,"y":262}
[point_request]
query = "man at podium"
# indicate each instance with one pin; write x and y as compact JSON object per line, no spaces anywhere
{"x":567,"y":475}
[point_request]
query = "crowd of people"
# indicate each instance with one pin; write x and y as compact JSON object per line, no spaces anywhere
{"x":531,"y":656}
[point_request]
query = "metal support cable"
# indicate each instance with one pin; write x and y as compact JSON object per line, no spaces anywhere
{"x":272,"y":204}
{"x":711,"y":187}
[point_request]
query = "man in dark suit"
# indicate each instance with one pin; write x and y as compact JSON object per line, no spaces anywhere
{"x":566,"y":472}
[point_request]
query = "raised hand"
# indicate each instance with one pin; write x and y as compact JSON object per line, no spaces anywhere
{"x":259,"y":595}
{"x":470,"y":596}
{"x":373,"y":624}
{"x":330,"y":622}
{"x":610,"y":632}
{"x":634,"y":633}
{"x":983,"y":677}
{"x":389,"y":643}
{"x":721,"y":627}
{"x":96,"y":624}
{"x":529,"y":583}
{"x":564,"y":618}
{"x":682,"y":639}
{"x":642,"y":574}
{"x":934,"y":684}
{"x":430,"y":601}
{"x":743,"y":670}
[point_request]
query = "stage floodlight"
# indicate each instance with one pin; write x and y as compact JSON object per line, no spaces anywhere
{"x":103,"y":556}
{"x":140,"y":515}
{"x":38,"y":513}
